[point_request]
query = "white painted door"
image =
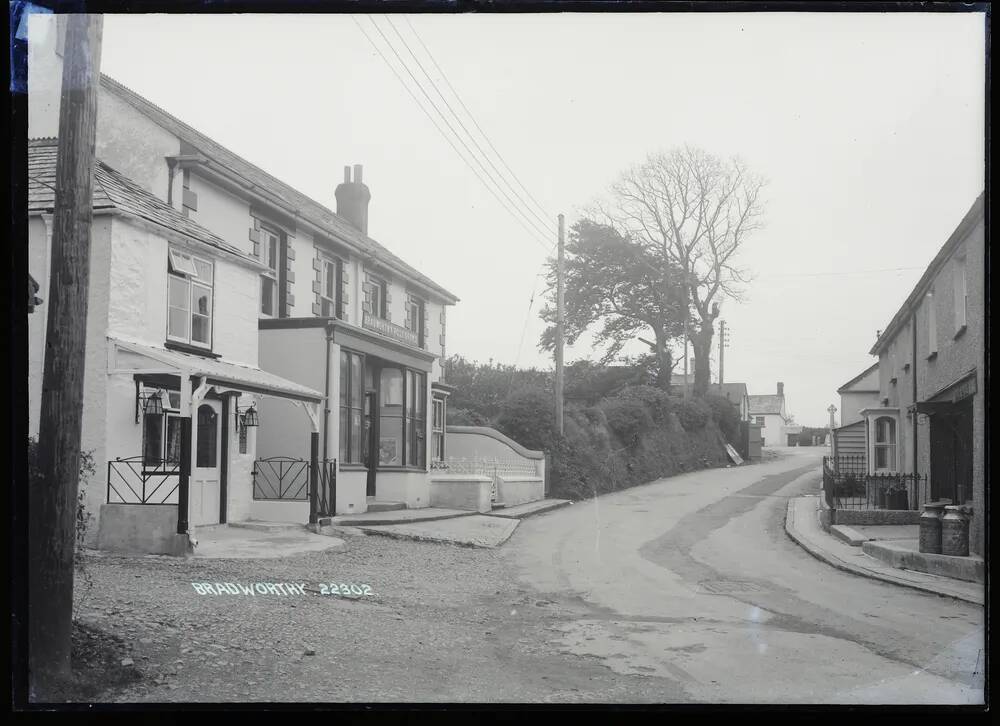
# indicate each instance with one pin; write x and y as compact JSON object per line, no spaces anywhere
{"x":205,"y":475}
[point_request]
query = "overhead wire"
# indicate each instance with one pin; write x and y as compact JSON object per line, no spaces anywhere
{"x":537,"y":233}
{"x":544,"y":217}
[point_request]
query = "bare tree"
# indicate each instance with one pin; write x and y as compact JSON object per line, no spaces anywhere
{"x":696,"y":211}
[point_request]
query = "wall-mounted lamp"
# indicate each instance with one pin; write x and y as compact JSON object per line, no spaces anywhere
{"x":247,"y":416}
{"x":148,"y":403}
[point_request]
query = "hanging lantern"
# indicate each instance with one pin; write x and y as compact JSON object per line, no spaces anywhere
{"x":154,"y":404}
{"x":248,"y":416}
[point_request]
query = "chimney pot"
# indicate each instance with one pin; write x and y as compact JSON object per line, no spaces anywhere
{"x":781,"y":389}
{"x":352,"y":199}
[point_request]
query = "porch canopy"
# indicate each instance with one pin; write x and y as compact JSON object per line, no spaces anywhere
{"x":128,"y":357}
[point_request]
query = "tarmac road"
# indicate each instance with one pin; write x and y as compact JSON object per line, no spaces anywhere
{"x":692,"y":584}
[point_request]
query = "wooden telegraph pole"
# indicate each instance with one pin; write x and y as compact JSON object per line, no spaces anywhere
{"x":53,"y":497}
{"x":722,"y":348}
{"x":560,"y":326}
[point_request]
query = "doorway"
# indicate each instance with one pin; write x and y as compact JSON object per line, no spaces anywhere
{"x":206,"y":474}
{"x":368,"y":440}
{"x":951,"y":453}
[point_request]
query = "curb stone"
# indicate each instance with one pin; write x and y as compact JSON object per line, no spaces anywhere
{"x":840,"y":564}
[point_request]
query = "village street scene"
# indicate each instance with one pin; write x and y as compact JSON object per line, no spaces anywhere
{"x":537,"y":405}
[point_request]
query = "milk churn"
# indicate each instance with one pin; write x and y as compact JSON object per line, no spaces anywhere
{"x":954,"y":532}
{"x":930,"y":528}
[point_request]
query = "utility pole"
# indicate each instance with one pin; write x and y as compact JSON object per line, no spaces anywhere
{"x":560,"y":326}
{"x":53,"y":497}
{"x":722,"y":346}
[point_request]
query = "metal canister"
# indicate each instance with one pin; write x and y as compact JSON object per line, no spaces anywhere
{"x":954,"y":532}
{"x":930,"y":528}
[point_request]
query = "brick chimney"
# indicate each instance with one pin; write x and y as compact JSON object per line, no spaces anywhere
{"x":781,"y":389}
{"x":352,"y":199}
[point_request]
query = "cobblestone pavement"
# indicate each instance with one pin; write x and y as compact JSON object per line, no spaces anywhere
{"x":443,"y":623}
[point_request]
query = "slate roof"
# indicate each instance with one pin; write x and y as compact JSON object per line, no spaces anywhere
{"x":113,"y":190}
{"x":769,"y":403}
{"x":306,"y":207}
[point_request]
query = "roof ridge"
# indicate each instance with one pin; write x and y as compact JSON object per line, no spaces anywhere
{"x":375,"y":249}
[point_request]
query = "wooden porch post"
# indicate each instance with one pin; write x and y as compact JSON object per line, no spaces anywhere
{"x":314,"y":477}
{"x":184,"y":476}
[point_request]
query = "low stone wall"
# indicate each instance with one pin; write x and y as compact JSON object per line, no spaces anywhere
{"x":875,"y":516}
{"x":516,"y":490}
{"x":273,"y":510}
{"x":970,"y":569}
{"x":141,"y":529}
{"x":461,"y":491}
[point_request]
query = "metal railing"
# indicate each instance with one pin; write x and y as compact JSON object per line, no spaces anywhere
{"x":281,"y":478}
{"x":846,"y":485}
{"x":486,"y":466}
{"x":326,"y":493}
{"x":134,"y":481}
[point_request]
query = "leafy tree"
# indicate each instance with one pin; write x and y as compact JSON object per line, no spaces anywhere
{"x":694,"y":211}
{"x":482,"y":388}
{"x":621,"y":288}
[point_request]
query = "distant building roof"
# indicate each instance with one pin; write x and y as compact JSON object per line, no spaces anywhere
{"x":870,"y":369}
{"x":769,"y":403}
{"x":113,"y":190}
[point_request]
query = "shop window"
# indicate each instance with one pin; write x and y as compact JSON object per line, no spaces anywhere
{"x":352,"y":393}
{"x":416,"y":419}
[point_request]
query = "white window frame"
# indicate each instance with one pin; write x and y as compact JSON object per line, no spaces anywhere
{"x":329,"y":280}
{"x":266,"y":237}
{"x":961,"y":293}
{"x":437,"y":427}
{"x":932,"y":342}
{"x":183,"y":266}
{"x":891,"y":447}
{"x":372,"y":284}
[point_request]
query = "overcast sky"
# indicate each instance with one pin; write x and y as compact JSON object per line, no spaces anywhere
{"x":869,"y":127}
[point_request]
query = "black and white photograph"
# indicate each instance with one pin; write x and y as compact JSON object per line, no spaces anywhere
{"x":494,"y":354}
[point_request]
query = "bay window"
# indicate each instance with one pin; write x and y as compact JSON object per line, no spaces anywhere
{"x":352,"y":394}
{"x":190,"y":287}
{"x":402,"y":418}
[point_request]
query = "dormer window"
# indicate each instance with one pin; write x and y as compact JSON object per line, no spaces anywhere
{"x":190,"y":299}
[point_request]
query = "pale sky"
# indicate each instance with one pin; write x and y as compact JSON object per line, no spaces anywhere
{"x":869,"y":127}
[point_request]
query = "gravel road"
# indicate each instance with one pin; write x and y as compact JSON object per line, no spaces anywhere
{"x":443,"y":624}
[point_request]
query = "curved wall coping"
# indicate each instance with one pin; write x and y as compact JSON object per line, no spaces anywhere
{"x":494,"y":434}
